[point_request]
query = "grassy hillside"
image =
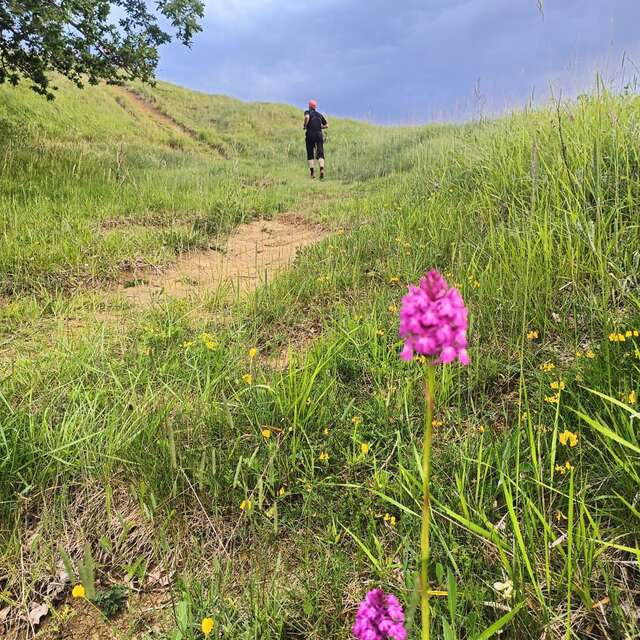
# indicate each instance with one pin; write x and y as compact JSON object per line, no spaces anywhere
{"x":238,"y":486}
{"x":94,"y":160}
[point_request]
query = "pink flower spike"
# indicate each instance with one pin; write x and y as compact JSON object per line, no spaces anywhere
{"x":380,"y":617}
{"x":434,"y":321}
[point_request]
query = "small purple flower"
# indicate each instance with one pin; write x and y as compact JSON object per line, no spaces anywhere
{"x":379,"y":617}
{"x":433,"y":321}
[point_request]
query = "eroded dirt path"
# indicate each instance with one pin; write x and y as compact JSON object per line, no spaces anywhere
{"x":163,"y":119}
{"x":253,"y":255}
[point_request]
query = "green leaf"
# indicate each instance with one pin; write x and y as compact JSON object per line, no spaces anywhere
{"x":500,"y":623}
{"x":452,"y":595}
{"x":607,"y":432}
{"x":447,"y":632}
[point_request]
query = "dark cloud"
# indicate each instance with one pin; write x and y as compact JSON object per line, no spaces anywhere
{"x":416,"y":61}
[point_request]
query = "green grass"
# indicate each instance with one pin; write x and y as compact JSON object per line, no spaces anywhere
{"x":144,"y":449}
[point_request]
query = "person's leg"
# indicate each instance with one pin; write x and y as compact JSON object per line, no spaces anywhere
{"x":310,"y":156}
{"x":320,"y":148}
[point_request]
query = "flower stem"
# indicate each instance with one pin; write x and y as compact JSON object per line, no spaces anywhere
{"x":429,"y":384}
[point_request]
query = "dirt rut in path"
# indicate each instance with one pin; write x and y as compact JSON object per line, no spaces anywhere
{"x":165,"y":120}
{"x":253,"y":255}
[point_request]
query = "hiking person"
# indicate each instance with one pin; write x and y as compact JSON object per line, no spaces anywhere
{"x":314,"y":123}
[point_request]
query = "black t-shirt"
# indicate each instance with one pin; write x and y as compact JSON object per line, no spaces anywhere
{"x":316,"y":121}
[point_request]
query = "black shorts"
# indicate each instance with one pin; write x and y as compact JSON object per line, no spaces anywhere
{"x":315,"y":147}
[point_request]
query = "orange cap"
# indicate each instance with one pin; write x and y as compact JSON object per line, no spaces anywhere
{"x":312,"y":104}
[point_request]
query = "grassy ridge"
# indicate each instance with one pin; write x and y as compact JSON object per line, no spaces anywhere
{"x":534,"y":217}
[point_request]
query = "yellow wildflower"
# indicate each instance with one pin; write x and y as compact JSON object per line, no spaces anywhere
{"x":187,"y":344}
{"x":568,"y":438}
{"x":340,"y":231}
{"x":281,"y":492}
{"x":636,"y":333}
{"x":533,"y":334}
{"x":547,"y":366}
{"x":325,"y":432}
{"x":590,"y":354}
{"x":207,"y":337}
{"x":78,"y":591}
{"x":323,"y":457}
{"x":247,"y":378}
{"x":562,"y":469}
{"x":481,"y":429}
{"x":246,"y":505}
{"x":364,"y":448}
{"x":558,"y":385}
{"x":266,"y":433}
{"x":394,"y":279}
{"x":357,"y":420}
{"x":207,"y":626}
{"x":379,"y":332}
{"x":392,"y":308}
{"x":633,"y":397}
{"x":253,"y":352}
{"x":553,"y":399}
{"x":390,"y":519}
{"x":436,"y":423}
{"x":628,"y":334}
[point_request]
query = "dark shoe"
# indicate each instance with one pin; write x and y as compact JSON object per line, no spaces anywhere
{"x":322,"y":175}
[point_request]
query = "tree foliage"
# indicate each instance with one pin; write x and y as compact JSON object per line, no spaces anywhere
{"x":89,"y":40}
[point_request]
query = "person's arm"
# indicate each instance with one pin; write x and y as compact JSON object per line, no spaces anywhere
{"x":306,"y":119}
{"x":325,"y":124}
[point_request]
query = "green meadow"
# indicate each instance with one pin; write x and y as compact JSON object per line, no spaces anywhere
{"x":255,"y":458}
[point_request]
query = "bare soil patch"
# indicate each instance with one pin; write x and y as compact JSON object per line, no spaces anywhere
{"x":253,"y":255}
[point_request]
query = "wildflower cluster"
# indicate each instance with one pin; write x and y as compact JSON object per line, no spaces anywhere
{"x":379,"y":616}
{"x":209,"y":341}
{"x":433,"y":321}
{"x":568,"y":438}
{"x":562,"y":469}
{"x":391,"y":520}
{"x":621,"y":337}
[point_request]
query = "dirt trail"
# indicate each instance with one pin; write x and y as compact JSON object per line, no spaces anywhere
{"x":254,"y":254}
{"x":164,"y":119}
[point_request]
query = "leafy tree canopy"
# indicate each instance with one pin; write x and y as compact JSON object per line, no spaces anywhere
{"x":90,"y":40}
